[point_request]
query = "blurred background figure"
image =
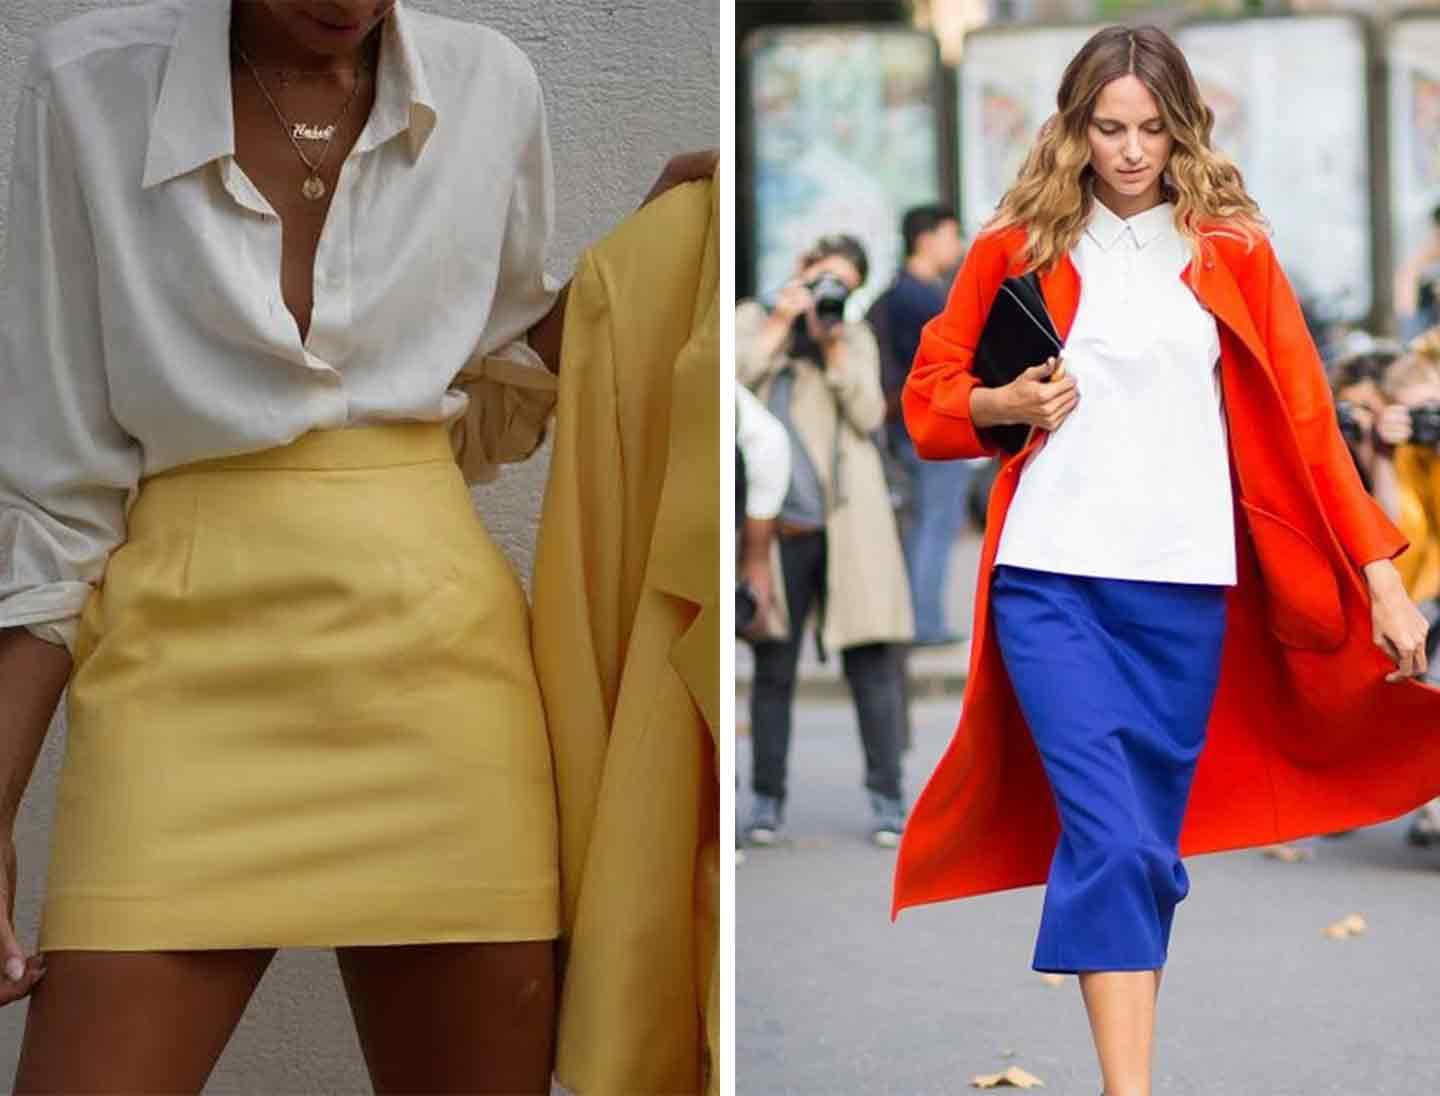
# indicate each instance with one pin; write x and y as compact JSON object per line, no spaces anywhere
{"x":762,"y":479}
{"x":839,"y":554}
{"x":1417,"y":283}
{"x":1357,"y":377}
{"x":935,"y":511}
{"x":1389,"y":408}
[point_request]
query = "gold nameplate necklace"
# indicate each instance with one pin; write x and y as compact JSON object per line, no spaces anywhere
{"x":314,"y":187}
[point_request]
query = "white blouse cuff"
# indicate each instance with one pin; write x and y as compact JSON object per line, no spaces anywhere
{"x":50,"y":612}
{"x":512,"y":396}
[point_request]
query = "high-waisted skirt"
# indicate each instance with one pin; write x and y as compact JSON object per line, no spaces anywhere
{"x":1116,"y":679}
{"x":303,"y":712}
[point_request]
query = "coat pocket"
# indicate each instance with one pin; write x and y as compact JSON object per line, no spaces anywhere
{"x":1302,"y":596}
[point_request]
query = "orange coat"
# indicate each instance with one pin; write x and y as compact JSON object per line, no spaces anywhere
{"x":1305,"y":735}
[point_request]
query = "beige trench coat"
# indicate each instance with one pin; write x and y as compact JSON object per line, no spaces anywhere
{"x":836,"y":412}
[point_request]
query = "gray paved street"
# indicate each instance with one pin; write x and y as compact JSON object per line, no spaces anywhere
{"x":832,"y":998}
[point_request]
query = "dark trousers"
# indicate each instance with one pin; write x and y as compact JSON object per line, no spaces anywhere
{"x":873,"y":672}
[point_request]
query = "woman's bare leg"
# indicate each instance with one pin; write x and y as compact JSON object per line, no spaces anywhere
{"x":462,"y":1017}
{"x":1121,"y":1005}
{"x":134,"y":1021}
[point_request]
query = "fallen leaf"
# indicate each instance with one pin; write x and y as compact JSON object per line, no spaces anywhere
{"x":1014,"y":1077}
{"x":1053,"y":979}
{"x":811,"y":843}
{"x":1288,"y":854}
{"x":1352,"y":925}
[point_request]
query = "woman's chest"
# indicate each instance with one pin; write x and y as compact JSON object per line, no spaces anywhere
{"x":298,"y":174}
{"x":234,"y":252}
{"x":1140,"y":330}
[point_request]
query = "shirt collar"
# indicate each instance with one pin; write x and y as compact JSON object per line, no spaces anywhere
{"x":1106,"y":227}
{"x":193,"y":122}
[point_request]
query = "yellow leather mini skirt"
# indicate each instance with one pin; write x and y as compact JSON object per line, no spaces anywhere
{"x":303,"y":713}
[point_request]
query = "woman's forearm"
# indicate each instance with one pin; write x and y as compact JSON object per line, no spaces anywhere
{"x":546,"y":336}
{"x":33,"y":673}
{"x":988,"y":407}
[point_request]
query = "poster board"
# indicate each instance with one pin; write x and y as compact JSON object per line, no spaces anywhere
{"x":1290,"y":97}
{"x":1006,"y":89}
{"x":1413,"y":53}
{"x":846,"y":136}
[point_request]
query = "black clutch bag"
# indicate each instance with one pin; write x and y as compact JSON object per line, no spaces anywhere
{"x":1018,"y":334}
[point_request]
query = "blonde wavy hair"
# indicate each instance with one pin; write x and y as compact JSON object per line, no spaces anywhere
{"x":1420,"y":364}
{"x":1052,"y":195}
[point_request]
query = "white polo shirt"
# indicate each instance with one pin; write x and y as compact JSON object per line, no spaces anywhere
{"x":1135,"y":483}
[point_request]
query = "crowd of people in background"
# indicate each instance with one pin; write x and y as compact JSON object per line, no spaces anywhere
{"x":1387,"y":398}
{"x":843,"y":527}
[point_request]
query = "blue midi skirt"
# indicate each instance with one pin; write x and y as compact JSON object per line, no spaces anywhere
{"x":1115,"y":678}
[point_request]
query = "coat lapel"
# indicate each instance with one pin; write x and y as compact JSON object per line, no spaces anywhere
{"x":1215,"y":287}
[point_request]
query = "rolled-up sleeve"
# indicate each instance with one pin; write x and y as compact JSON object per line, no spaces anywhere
{"x":512,"y":394}
{"x":67,"y":467}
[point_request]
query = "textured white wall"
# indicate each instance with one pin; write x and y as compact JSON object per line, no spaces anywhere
{"x":628,"y":83}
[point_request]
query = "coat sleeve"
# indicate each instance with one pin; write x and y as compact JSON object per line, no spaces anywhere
{"x":936,"y":396}
{"x":752,"y":365}
{"x":67,"y":467}
{"x":1362,"y":526}
{"x":855,"y":380}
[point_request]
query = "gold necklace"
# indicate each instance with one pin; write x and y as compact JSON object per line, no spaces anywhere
{"x":314,"y":187}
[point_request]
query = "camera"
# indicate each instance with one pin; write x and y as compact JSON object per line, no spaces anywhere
{"x":830,"y":295}
{"x":1351,"y":428}
{"x":1425,"y":424}
{"x":747,"y":607}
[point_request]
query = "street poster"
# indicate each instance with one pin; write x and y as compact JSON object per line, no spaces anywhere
{"x":845,"y":138}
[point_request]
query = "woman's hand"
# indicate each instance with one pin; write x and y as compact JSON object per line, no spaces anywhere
{"x":1041,"y":396}
{"x":685,"y":168}
{"x":31,"y":969}
{"x":1398,"y":627}
{"x":757,"y":574}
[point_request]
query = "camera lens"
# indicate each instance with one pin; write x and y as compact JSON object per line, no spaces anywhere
{"x":830,"y":295}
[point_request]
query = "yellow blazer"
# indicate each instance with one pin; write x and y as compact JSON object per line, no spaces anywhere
{"x":627,"y":647}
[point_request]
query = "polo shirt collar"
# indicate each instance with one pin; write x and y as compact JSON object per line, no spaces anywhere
{"x":1106,"y":227}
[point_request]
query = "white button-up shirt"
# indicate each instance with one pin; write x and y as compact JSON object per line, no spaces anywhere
{"x":1135,"y":483}
{"x":142,"y":324}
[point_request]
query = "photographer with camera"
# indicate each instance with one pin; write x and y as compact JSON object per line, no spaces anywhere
{"x":1356,"y":380}
{"x":1396,"y":441}
{"x":839,"y":556}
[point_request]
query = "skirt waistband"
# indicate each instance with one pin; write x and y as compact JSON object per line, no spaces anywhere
{"x":374,"y":445}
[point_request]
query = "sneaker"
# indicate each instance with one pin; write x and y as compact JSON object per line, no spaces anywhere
{"x":889,"y":821}
{"x":1425,"y":828}
{"x":764,"y":824}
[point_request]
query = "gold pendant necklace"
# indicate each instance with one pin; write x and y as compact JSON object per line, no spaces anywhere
{"x":313,"y":188}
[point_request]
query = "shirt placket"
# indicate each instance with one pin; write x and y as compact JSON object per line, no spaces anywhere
{"x":330,"y":306}
{"x":330,"y":316}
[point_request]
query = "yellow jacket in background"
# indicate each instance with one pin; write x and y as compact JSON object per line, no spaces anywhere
{"x":1417,"y":472}
{"x":627,"y":648}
